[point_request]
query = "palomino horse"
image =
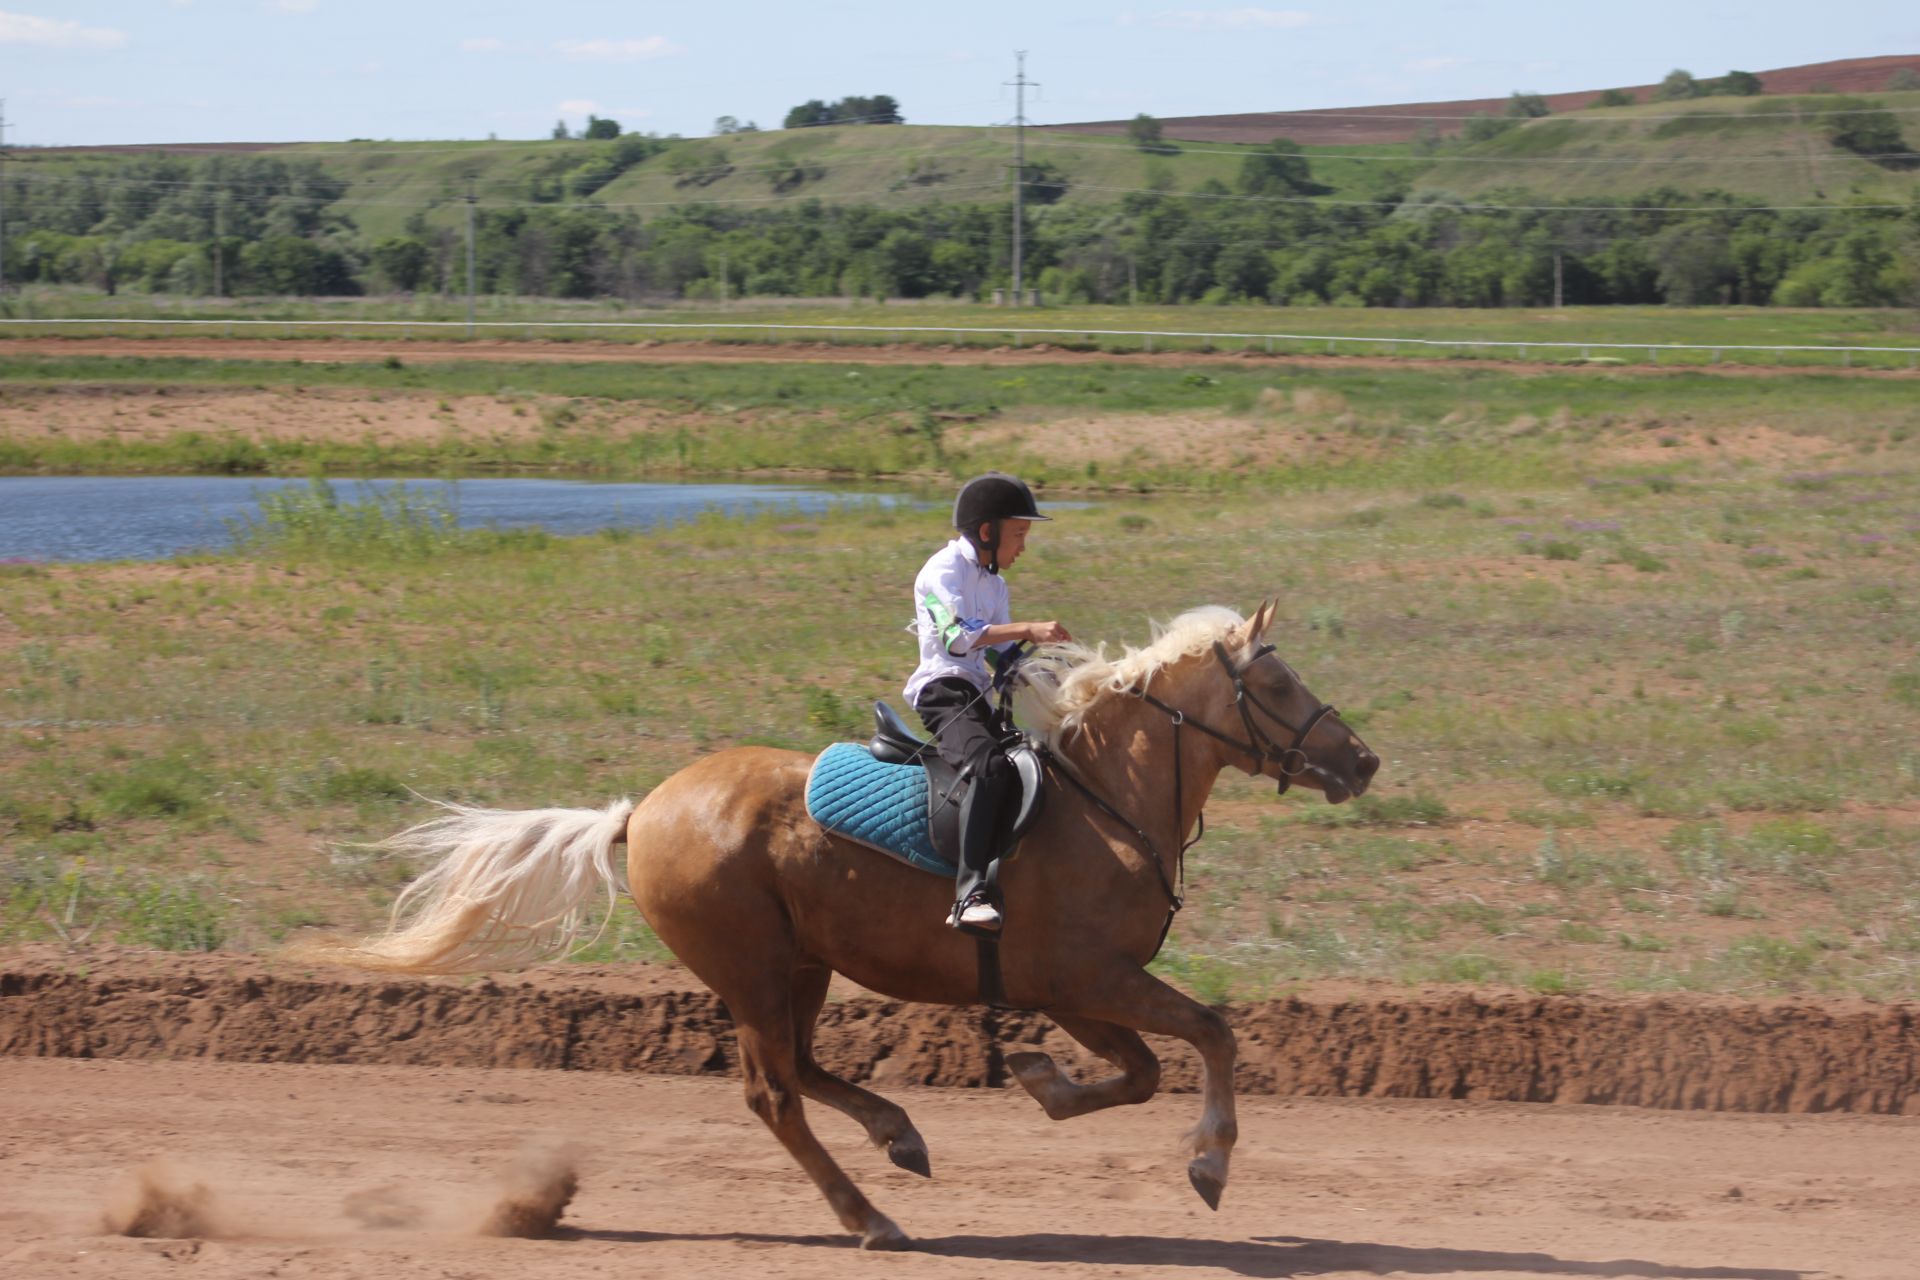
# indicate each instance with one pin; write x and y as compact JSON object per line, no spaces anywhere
{"x":765,"y":906}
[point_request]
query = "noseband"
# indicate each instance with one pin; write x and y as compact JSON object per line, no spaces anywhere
{"x":1259,"y":744}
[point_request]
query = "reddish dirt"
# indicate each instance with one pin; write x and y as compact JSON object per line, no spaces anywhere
{"x":393,"y":1172}
{"x":1350,"y":1040}
{"x":360,"y":351}
{"x":1401,"y":122}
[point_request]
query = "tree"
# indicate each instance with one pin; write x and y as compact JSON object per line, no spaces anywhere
{"x":1736,"y":84}
{"x":1482,"y":127}
{"x":560,"y":133}
{"x":1677,"y":87}
{"x":599,"y":130}
{"x":1043,"y":182}
{"x":881,"y":108}
{"x":1144,"y":132}
{"x":808,"y":114}
{"x":723,"y":125}
{"x":1854,"y":125}
{"x":1527,"y":106}
{"x":1904,"y":79}
{"x":1277,"y":169}
{"x":403,"y":260}
{"x":1615,"y":98}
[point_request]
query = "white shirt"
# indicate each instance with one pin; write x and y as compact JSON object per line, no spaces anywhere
{"x":954,"y":601}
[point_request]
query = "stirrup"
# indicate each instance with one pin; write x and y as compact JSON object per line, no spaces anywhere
{"x":977,"y":915}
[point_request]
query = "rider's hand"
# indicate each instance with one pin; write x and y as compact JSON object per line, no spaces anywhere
{"x":1047,"y":633}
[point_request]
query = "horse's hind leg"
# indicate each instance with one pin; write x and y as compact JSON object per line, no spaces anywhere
{"x":1135,"y":998}
{"x":769,"y":1063}
{"x":1062,"y":1098}
{"x":887,"y":1125}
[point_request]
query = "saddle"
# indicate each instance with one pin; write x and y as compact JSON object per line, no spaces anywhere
{"x":897,"y":795}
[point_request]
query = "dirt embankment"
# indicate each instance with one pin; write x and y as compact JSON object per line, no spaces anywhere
{"x":1669,"y":1052}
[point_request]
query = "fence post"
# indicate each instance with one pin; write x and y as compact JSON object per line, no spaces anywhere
{"x":1846,"y":359}
{"x":1149,"y":338}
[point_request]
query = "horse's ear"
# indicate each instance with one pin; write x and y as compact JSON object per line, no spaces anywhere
{"x":1261,"y":620}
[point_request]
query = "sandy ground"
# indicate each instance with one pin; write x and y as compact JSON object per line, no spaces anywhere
{"x":678,"y":1179}
{"x":534,"y":351}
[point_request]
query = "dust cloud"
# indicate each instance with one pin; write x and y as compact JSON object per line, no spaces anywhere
{"x":162,"y":1201}
{"x":534,"y":1191}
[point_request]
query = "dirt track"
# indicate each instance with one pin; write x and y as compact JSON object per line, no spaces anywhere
{"x":321,"y":351}
{"x":678,"y":1179}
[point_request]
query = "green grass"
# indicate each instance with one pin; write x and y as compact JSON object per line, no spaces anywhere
{"x":1081,"y":326}
{"x":1596,"y":778}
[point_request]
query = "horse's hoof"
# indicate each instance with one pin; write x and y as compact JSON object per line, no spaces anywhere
{"x":1208,"y":1183}
{"x":1032,"y":1070}
{"x":884,"y":1236}
{"x":910,"y":1153}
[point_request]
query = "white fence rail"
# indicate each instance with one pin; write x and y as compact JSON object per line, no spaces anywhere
{"x":1016,"y":335}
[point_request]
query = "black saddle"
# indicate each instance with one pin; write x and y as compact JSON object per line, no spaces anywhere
{"x":894,"y":743}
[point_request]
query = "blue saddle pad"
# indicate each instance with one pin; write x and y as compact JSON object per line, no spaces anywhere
{"x":882,"y":806}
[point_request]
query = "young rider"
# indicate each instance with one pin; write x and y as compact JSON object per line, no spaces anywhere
{"x":961,"y":613}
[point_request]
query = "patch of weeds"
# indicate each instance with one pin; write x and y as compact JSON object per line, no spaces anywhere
{"x":827,"y":712}
{"x":1763,"y":560}
{"x":1366,"y":517}
{"x":1641,"y":942}
{"x":1208,"y":979}
{"x":1551,"y":818}
{"x":1581,"y":933}
{"x":1592,"y":782}
{"x":1328,"y":619}
{"x":1905,"y":687}
{"x":168,"y":786}
{"x":1642,"y":560}
{"x":1417,"y":810}
{"x":1383,"y":853}
{"x":360,"y":784}
{"x":1442,"y":501}
{"x":621,"y":936}
{"x":1564,"y":868}
{"x":1468,"y":966}
{"x":1554,"y":982}
{"x":1480,"y":915}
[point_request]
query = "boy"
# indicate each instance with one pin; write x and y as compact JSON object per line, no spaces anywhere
{"x":961,"y":613}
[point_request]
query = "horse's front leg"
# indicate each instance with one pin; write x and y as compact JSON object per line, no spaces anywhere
{"x":1132,"y":997}
{"x":1062,"y":1098}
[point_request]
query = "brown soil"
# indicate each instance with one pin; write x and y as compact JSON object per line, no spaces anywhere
{"x":1342,"y":1040}
{"x":335,"y":351}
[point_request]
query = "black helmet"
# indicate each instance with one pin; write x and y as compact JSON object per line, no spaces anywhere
{"x":993,"y":496}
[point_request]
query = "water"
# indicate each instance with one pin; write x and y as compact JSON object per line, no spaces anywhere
{"x":152,"y":517}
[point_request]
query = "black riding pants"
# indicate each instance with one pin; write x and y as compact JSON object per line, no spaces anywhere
{"x":960,"y":718}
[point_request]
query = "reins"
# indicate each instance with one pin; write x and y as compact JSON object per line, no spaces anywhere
{"x":1259,"y":745}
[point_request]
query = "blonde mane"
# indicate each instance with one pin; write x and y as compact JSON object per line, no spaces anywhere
{"x":1063,"y":682}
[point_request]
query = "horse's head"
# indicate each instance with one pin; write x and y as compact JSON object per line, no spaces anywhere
{"x":1276,"y":726}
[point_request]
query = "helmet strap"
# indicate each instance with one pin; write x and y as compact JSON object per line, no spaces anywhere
{"x":989,"y":546}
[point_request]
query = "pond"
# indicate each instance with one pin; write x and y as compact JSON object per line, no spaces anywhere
{"x":152,"y":517}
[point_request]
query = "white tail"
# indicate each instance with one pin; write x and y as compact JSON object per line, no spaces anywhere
{"x":506,"y":888}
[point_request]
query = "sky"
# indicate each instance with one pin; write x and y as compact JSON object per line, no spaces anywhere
{"x":78,"y":72}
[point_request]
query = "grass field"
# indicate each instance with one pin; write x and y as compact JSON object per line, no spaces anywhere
{"x":1636,"y":653}
{"x":1571,"y":335}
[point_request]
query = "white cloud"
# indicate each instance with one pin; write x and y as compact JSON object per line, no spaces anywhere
{"x":293,"y":6}
{"x":1443,"y":63}
{"x":579,"y":107}
{"x":54,"y":33}
{"x":603,"y":50}
{"x":1248,"y":19}
{"x":483,"y":44}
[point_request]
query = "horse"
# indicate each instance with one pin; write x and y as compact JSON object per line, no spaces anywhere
{"x":765,"y":906}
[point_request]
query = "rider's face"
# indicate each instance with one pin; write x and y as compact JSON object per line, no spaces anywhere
{"x":1013,"y":540}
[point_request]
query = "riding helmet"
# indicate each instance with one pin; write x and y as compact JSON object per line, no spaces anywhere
{"x":992,"y":497}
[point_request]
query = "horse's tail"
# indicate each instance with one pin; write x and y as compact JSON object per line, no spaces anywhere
{"x":505,"y":889}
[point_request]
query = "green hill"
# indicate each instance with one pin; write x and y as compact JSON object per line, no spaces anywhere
{"x":1777,"y":149}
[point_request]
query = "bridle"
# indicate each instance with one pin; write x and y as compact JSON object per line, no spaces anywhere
{"x":1259,"y":745}
{"x":1292,"y":760}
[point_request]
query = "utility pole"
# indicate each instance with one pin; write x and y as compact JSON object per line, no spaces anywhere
{"x":1019,"y":83}
{"x":220,"y":245}
{"x":3,"y":188}
{"x":470,"y":274}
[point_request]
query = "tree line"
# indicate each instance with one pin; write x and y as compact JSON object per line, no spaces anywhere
{"x":262,"y":225}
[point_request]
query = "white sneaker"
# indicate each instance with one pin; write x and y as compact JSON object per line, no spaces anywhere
{"x":978,"y":913}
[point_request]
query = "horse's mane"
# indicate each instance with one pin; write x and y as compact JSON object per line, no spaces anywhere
{"x":1063,"y":682}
